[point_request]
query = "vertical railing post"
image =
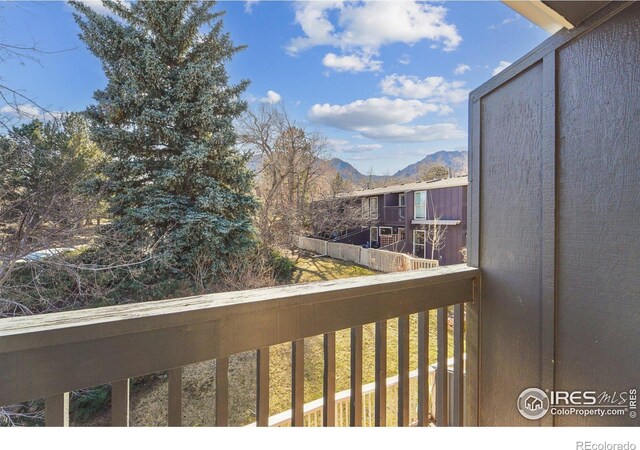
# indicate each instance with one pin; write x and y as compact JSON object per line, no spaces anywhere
{"x":120,"y":403}
{"x":297,"y":383}
{"x":329,"y":381}
{"x":262,"y":386}
{"x":355,"y":411}
{"x":175,"y":397}
{"x":423,"y":369}
{"x":442,"y":374}
{"x":56,"y":410}
{"x":222,"y":392}
{"x":380,"y":419}
{"x":403,"y":371}
{"x":458,"y":365}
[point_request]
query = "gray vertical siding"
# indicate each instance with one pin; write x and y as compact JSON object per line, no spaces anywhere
{"x":510,"y":219}
{"x":555,"y":158}
{"x":598,"y":340}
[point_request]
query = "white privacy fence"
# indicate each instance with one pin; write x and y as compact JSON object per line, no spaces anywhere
{"x":419,"y":263}
{"x":313,"y":245}
{"x":346,"y":252}
{"x":386,"y":261}
{"x":313,"y":410}
{"x":380,"y":260}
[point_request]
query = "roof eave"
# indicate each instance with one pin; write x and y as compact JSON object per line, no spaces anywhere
{"x":541,"y":14}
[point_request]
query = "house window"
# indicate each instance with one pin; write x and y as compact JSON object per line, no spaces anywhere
{"x":419,"y":243}
{"x":373,"y":208}
{"x":373,"y":234}
{"x":400,"y":199}
{"x":365,"y":209}
{"x":420,"y":205}
{"x":401,"y":234}
{"x":386,"y":231}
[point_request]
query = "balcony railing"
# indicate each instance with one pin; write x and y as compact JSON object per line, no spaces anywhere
{"x":394,"y":214}
{"x":47,"y":356}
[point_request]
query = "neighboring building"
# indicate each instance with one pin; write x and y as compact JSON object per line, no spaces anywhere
{"x":398,"y":217}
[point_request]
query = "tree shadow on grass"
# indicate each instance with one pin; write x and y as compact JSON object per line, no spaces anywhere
{"x":324,"y":269}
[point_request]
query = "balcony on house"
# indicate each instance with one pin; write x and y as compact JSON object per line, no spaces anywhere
{"x":394,"y":215}
{"x":544,"y":301}
{"x":394,"y":208}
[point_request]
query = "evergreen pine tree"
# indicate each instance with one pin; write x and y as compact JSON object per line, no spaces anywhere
{"x":176,"y":181}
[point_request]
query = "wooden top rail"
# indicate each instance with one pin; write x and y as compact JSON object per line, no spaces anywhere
{"x":48,"y":354}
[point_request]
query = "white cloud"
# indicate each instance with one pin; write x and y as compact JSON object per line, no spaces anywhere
{"x":315,"y":23}
{"x":351,"y":63}
{"x":445,"y":110}
{"x":415,"y":133}
{"x":337,"y":143}
{"x":506,"y":21}
{"x":435,"y":89}
{"x":249,"y":4}
{"x":372,"y":112}
{"x":26,"y":110}
{"x":347,"y":147}
{"x":272,"y":98}
{"x":362,"y":148}
{"x":404,"y":59}
{"x":501,"y":66}
{"x":383,"y":119}
{"x":461,"y":68}
{"x":99,"y":7}
{"x":366,"y":26}
{"x":29,"y":111}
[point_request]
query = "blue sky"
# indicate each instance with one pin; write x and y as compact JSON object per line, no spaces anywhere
{"x":385,"y":82}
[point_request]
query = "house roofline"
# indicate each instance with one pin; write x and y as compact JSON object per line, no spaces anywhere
{"x":408,"y":187}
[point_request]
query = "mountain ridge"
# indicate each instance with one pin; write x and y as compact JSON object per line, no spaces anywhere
{"x":455,"y":160}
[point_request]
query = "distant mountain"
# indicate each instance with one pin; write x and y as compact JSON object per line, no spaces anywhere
{"x":350,"y":173}
{"x":455,"y":160}
{"x":345,"y":169}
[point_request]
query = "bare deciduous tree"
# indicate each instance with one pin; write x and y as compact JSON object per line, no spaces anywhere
{"x":436,"y":236}
{"x":15,"y":104}
{"x":289,"y":170}
{"x":335,"y":216}
{"x":436,"y":231}
{"x":334,"y":213}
